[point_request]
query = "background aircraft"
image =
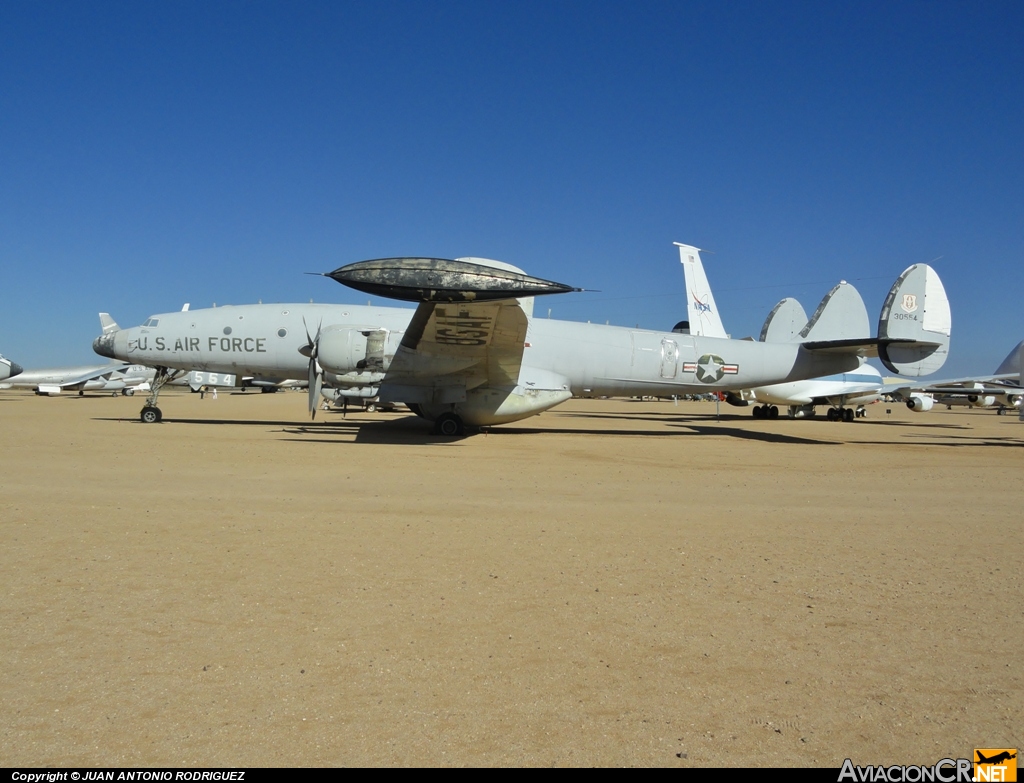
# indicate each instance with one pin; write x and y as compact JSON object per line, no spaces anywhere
{"x":8,"y":369}
{"x":785,"y":323}
{"x":471,"y":353}
{"x":1001,"y":390}
{"x":116,"y":378}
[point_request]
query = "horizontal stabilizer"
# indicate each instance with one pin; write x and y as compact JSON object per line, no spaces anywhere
{"x":784,"y":322}
{"x":840,"y":316}
{"x":915,"y":323}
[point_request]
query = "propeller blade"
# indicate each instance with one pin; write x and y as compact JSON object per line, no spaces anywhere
{"x":316,"y":375}
{"x":319,"y":385}
{"x":315,"y":382}
{"x":312,"y":343}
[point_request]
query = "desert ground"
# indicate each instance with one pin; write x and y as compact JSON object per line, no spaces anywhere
{"x":611,"y":583}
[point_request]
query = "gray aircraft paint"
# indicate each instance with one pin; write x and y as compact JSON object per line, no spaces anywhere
{"x":559,"y":359}
{"x":784,"y":322}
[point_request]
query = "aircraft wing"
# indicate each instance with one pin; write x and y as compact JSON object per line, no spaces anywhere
{"x":92,"y":375}
{"x":981,"y":384}
{"x":450,"y":348}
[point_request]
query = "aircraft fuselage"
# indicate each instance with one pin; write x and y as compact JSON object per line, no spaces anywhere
{"x":592,"y":359}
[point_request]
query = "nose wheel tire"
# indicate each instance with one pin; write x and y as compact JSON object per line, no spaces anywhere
{"x":449,"y":425}
{"x":151,"y":415}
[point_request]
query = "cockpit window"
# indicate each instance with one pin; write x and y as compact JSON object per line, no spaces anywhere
{"x":152,"y":322}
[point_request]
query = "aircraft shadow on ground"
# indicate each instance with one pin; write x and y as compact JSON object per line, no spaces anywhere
{"x":134,"y":419}
{"x":406,"y":431}
{"x":955,"y":441}
{"x":410,"y":430}
{"x":682,"y":429}
{"x":684,"y":418}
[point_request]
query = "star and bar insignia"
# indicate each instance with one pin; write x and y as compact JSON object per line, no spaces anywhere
{"x":711,"y":368}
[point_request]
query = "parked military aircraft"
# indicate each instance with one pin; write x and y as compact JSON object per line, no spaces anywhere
{"x":471,"y":353}
{"x":115,"y":378}
{"x":1001,"y":390}
{"x":786,"y":323}
{"x":8,"y":369}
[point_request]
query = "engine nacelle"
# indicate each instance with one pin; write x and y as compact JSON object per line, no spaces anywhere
{"x":919,"y":403}
{"x":352,"y":352}
{"x":981,"y":401}
{"x":362,"y":393}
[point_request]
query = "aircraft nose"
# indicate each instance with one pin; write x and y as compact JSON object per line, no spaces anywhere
{"x":16,"y":369}
{"x":113,"y":345}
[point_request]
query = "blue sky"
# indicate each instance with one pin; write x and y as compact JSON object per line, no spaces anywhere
{"x":153,"y":154}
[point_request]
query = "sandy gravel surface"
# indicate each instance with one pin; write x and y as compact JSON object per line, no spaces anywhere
{"x":611,"y":583}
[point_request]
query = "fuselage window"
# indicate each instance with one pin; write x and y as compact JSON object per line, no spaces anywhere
{"x":282,"y":332}
{"x":227,"y":330}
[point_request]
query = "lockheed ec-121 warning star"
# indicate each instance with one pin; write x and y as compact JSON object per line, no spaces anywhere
{"x":472,"y":354}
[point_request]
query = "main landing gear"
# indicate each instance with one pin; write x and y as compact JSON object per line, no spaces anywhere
{"x":766,"y":412}
{"x":846,"y":414}
{"x":150,"y":413}
{"x":449,"y":425}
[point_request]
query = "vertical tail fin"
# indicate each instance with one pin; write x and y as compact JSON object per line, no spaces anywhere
{"x":1012,"y":362}
{"x":108,"y":324}
{"x":700,"y":302}
{"x":917,"y":311}
{"x":840,"y":316}
{"x":784,"y":322}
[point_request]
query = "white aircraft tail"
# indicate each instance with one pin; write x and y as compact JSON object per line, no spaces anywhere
{"x":108,"y":324}
{"x":840,"y":316}
{"x":916,"y":312}
{"x":784,"y":322}
{"x":700,"y":302}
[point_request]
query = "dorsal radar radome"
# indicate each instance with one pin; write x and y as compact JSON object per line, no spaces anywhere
{"x":443,"y":280}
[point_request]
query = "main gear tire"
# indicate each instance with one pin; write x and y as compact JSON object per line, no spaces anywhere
{"x":449,"y":425}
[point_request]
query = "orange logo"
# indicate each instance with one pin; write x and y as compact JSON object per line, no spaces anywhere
{"x":995,"y":764}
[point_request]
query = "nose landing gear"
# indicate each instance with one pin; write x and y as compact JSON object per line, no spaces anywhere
{"x":150,"y":413}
